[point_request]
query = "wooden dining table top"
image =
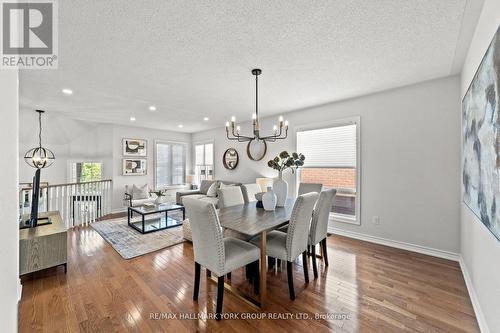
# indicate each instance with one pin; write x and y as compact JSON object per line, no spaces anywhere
{"x":251,"y":221}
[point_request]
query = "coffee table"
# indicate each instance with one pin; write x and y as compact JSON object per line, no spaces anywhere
{"x":155,"y":223}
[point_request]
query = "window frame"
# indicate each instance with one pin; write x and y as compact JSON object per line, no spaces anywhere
{"x":155,"y":154}
{"x":329,"y":124}
{"x":73,"y":161}
{"x":199,"y":143}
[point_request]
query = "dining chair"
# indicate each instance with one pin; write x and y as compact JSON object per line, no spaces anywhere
{"x":230,"y":196}
{"x":288,"y":246}
{"x":218,"y":254}
{"x":319,"y":226}
{"x":309,"y":187}
{"x":249,"y":191}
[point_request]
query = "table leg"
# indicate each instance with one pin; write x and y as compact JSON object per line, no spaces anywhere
{"x":263,"y":269}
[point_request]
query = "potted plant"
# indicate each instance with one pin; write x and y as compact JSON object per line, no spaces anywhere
{"x":159,"y":195}
{"x":282,"y":162}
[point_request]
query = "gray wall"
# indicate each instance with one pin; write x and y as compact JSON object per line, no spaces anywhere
{"x":410,"y":160}
{"x":120,"y":132}
{"x":480,"y":249}
{"x":93,"y":142}
{"x":9,"y":237}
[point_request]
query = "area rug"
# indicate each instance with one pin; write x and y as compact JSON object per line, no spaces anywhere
{"x":130,"y":243}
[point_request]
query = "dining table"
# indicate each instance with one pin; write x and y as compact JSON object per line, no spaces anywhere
{"x":250,"y":221}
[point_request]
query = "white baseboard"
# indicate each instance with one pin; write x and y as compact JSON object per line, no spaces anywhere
{"x":119,"y":210}
{"x":483,"y":326}
{"x":19,"y":290}
{"x":397,"y":244}
{"x":429,"y":251}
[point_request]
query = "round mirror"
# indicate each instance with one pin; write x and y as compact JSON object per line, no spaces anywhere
{"x":230,"y":159}
{"x":256,"y":149}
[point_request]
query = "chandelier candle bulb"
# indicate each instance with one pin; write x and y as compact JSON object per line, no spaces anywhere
{"x":281,"y":120}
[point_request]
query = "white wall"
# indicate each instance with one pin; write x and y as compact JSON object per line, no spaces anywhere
{"x":74,"y":140}
{"x":480,"y":249}
{"x":410,"y":160}
{"x":120,"y":132}
{"x":9,"y":236}
{"x":68,"y":138}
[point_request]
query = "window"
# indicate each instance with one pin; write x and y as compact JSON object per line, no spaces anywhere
{"x":332,"y":155}
{"x":85,"y":172}
{"x":204,"y":161}
{"x":170,"y":164}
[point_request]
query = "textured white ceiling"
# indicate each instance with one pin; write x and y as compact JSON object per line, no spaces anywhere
{"x":192,"y":59}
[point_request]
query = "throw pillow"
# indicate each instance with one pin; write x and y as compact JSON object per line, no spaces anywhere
{"x":140,"y":192}
{"x":212,"y":190}
{"x":205,"y":185}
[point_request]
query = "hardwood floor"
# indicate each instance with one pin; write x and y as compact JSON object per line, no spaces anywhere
{"x":381,"y":289}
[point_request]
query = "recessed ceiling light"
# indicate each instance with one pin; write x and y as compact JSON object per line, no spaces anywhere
{"x":132,"y":118}
{"x":67,"y":91}
{"x":206,"y":118}
{"x":180,"y":126}
{"x":152,"y":108}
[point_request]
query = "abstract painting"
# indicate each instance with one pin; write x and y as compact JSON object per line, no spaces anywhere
{"x":134,"y":147}
{"x":481,"y":140}
{"x":134,"y":166}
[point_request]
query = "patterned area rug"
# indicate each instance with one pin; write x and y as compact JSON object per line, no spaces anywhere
{"x":130,"y":243}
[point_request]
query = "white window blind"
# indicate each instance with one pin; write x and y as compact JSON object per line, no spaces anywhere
{"x":170,"y":164}
{"x":199,"y":154}
{"x":204,"y":161}
{"x":204,"y":154}
{"x":333,"y":147}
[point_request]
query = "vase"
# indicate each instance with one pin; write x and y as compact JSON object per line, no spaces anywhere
{"x":280,"y":188}
{"x":158,"y":200}
{"x":269,"y":199}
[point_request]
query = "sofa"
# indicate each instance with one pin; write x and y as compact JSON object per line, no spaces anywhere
{"x":202,"y":192}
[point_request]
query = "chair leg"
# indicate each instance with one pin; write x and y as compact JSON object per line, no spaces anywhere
{"x":228,"y":276}
{"x":325,"y":252}
{"x":315,"y":266}
{"x":209,"y":274}
{"x":304,"y":265}
{"x":256,"y":277}
{"x":278,"y":263}
{"x":220,"y":297}
{"x":271,"y":262}
{"x":248,"y":272}
{"x":289,"y":270}
{"x":197,"y":271}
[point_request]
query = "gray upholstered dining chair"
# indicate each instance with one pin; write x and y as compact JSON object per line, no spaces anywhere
{"x":319,"y":226}
{"x":288,"y":246}
{"x":249,"y":191}
{"x":309,"y":187}
{"x":218,"y":254}
{"x":230,"y":196}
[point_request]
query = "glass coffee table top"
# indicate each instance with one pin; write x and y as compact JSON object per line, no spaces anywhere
{"x":156,"y":208}
{"x":146,"y":219}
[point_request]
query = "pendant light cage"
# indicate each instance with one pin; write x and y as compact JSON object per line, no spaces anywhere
{"x":39,"y":157}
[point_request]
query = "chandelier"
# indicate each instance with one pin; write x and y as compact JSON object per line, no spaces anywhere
{"x":39,"y":157}
{"x":233,"y":130}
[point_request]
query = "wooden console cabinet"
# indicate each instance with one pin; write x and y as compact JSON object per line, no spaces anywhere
{"x":44,"y":246}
